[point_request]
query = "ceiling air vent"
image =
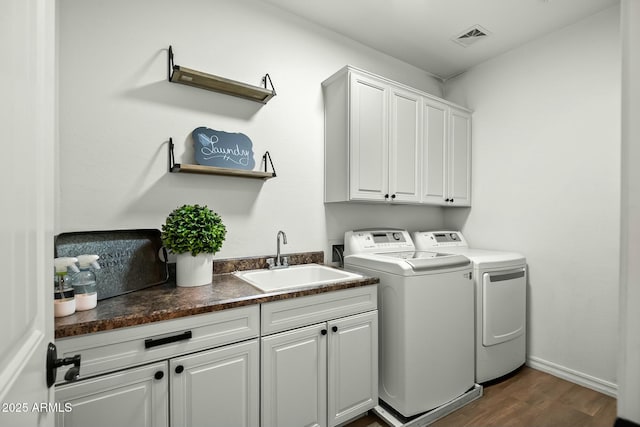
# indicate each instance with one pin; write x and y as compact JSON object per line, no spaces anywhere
{"x":471,"y":35}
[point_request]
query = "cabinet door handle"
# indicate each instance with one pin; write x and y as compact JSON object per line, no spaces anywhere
{"x":386,"y":196}
{"x":158,"y":375}
{"x":179,"y":369}
{"x":323,"y":332}
{"x":154,"y":342}
{"x":393,"y":196}
{"x":334,"y":329}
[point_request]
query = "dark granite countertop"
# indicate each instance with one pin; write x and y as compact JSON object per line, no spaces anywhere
{"x":167,"y":301}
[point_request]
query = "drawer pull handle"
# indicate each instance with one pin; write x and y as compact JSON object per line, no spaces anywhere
{"x":151,"y":342}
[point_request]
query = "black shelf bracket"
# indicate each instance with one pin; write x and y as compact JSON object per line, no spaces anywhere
{"x":267,"y":156}
{"x":172,"y":158}
{"x":264,"y":83}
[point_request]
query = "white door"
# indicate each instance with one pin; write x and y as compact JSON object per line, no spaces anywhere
{"x":134,"y":397}
{"x":434,"y":152}
{"x":27,"y":120}
{"x":294,"y":378}
{"x":218,"y":387}
{"x":369,"y":139}
{"x":404,"y":146}
{"x":352,"y":366}
{"x":460,"y":158}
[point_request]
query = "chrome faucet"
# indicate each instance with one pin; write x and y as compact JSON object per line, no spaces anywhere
{"x":279,"y":262}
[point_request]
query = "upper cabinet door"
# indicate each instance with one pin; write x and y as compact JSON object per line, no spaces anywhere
{"x":369,"y":148}
{"x":434,"y":152}
{"x":404,"y":146}
{"x":460,"y":158}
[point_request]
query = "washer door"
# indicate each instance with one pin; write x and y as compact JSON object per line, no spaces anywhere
{"x":504,"y":305}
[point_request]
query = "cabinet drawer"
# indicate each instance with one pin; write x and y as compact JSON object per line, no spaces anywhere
{"x":112,"y":350}
{"x":296,"y":312}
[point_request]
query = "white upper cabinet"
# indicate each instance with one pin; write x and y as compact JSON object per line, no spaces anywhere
{"x":446,"y":155}
{"x":434,"y":151}
{"x":404,"y":146}
{"x":459,"y":163}
{"x":386,"y":142}
{"x":368,"y":133}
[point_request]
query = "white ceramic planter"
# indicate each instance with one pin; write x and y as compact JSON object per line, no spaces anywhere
{"x":194,"y":270}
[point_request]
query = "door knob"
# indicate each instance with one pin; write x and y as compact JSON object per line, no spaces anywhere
{"x":53,"y":363}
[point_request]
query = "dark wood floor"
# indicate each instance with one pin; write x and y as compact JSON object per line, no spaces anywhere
{"x":529,"y":398}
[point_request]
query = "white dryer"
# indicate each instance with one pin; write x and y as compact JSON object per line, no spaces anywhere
{"x":500,"y":282}
{"x":425,"y":303}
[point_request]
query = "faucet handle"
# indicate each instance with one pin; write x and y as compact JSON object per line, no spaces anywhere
{"x":271,"y":262}
{"x":285,"y":261}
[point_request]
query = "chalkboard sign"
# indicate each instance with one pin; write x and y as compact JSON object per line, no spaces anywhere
{"x":223,"y":149}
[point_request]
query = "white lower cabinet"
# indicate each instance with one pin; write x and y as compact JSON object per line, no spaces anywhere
{"x":133,"y":397}
{"x":217,"y":387}
{"x":322,"y":374}
{"x":194,"y":371}
{"x":307,"y":361}
{"x":294,"y":386}
{"x":352,"y":366}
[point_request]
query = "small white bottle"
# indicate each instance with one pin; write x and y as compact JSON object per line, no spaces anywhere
{"x":64,"y":302}
{"x":84,"y":283}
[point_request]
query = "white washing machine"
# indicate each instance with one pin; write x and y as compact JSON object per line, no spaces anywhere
{"x":425,"y":305}
{"x":500,"y":282}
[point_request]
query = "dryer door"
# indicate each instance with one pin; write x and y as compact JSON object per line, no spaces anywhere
{"x":504,"y":305}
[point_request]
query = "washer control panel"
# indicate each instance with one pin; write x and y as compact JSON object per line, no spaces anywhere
{"x":382,"y":240}
{"x":439,"y":239}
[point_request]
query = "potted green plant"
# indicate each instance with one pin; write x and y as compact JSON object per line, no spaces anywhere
{"x":194,"y":233}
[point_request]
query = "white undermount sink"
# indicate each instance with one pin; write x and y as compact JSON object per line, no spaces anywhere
{"x":297,"y":276}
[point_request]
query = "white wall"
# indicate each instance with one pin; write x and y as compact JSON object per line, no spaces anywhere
{"x":117,"y":111}
{"x":629,"y":369}
{"x":546,"y":166}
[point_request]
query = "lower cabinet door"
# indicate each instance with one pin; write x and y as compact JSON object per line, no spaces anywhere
{"x":133,"y":397}
{"x":352,"y":366}
{"x":294,"y":381}
{"x":217,"y":387}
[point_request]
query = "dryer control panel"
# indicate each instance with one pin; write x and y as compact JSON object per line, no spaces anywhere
{"x":439,"y":239}
{"x":377,"y":240}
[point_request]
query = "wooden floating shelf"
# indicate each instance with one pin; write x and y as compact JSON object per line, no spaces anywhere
{"x":215,"y":170}
{"x":189,"y":77}
{"x":212,"y":170}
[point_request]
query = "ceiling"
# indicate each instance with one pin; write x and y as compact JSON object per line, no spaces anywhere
{"x":420,"y":32}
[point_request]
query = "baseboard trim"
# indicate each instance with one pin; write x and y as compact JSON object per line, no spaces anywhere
{"x":602,"y":386}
